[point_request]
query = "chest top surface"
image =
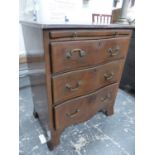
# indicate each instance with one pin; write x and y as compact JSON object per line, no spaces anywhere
{"x":75,"y":26}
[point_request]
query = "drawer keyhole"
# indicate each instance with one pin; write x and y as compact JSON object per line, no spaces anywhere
{"x":99,"y":44}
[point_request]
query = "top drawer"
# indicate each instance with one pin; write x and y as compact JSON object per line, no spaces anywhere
{"x":87,"y":34}
{"x":70,"y":55}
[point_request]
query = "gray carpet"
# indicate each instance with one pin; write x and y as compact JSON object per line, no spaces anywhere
{"x":100,"y":135}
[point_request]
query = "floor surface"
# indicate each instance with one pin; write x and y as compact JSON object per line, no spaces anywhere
{"x":101,"y":135}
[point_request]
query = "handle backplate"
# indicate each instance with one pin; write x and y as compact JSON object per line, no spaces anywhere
{"x":81,"y":52}
{"x":106,"y":98}
{"x":73,"y":114}
{"x":114,"y":51}
{"x":71,"y":88}
{"x":108,"y":76}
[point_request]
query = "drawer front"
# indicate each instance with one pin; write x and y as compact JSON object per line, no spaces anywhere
{"x":82,"y":108}
{"x":80,"y":34}
{"x":72,"y":55}
{"x":82,"y":82}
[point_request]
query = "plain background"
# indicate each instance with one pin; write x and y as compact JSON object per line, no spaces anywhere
{"x":145,"y":77}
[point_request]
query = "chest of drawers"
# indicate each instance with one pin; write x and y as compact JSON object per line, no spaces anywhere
{"x":74,"y":72}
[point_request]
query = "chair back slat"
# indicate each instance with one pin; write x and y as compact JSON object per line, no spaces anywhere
{"x":101,"y":18}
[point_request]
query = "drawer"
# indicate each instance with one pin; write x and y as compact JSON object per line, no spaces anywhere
{"x":70,"y":55}
{"x":82,"y":108}
{"x":81,"y":82}
{"x":80,"y":34}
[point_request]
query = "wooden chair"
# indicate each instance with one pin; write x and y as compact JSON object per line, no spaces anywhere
{"x":101,"y":18}
{"x":115,"y":15}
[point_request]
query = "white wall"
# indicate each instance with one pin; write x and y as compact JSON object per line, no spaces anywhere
{"x":22,"y":50}
{"x":53,"y":11}
{"x":84,"y":14}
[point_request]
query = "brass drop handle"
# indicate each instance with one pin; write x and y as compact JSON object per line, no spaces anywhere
{"x":81,"y":52}
{"x":73,"y":114}
{"x":108,"y":76}
{"x":106,"y":98}
{"x":68,"y":86}
{"x":114,"y":51}
{"x":74,"y":35}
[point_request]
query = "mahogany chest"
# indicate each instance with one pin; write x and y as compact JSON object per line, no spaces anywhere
{"x":74,"y":72}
